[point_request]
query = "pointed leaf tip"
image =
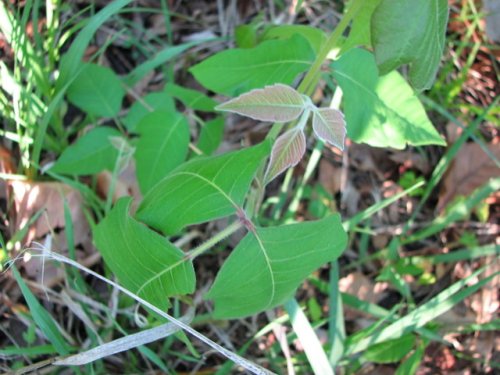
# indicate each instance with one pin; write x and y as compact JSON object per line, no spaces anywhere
{"x":287,"y":152}
{"x":277,"y":103}
{"x":329,"y":126}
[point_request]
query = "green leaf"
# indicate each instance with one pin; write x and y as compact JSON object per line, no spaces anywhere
{"x":390,"y":351}
{"x":42,"y":318}
{"x":202,"y":189}
{"x":236,"y":71}
{"x":410,"y":366}
{"x":314,"y":36}
{"x":246,"y":35}
{"x":382,"y":112}
{"x":410,"y":32}
{"x":276,"y":103}
{"x":211,"y":135}
{"x":360,"y":33}
{"x":162,"y":146}
{"x":269,"y":264}
{"x":145,"y":263}
{"x":149,"y":103}
{"x":97,"y":90}
{"x":191,"y":98}
{"x":90,"y":154}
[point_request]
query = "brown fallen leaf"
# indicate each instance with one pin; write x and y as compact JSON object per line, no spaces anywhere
{"x":470,"y":169}
{"x":329,"y":176}
{"x":31,"y":197}
{"x":125,"y":185}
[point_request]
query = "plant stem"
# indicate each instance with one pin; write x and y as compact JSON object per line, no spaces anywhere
{"x":312,"y":74}
{"x":214,"y":240}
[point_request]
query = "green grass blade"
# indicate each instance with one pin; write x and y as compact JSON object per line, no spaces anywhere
{"x":336,"y":326}
{"x":42,"y":318}
{"x":372,"y":210}
{"x":438,"y":305}
{"x":313,"y":348}
{"x":457,"y":212}
{"x":71,"y":62}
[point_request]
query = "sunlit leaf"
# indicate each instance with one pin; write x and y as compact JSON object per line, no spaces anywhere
{"x":277,"y":103}
{"x":144,"y":262}
{"x":287,"y":151}
{"x":381,"y":111}
{"x":329,"y":126}
{"x":410,"y":32}
{"x":236,"y":71}
{"x":269,"y":264}
{"x":201,"y":190}
{"x":162,"y":146}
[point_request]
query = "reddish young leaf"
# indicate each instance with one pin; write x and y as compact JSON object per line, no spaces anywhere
{"x":287,"y":152}
{"x":329,"y":126}
{"x":277,"y":103}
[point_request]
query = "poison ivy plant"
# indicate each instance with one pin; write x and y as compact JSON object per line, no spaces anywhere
{"x":281,"y":103}
{"x":240,"y":70}
{"x":145,"y":263}
{"x":410,"y":32}
{"x":391,"y":115}
{"x":268,"y":265}
{"x":162,"y":146}
{"x":201,"y":190}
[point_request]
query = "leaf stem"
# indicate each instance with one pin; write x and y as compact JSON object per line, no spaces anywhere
{"x":312,"y":75}
{"x":214,"y":240}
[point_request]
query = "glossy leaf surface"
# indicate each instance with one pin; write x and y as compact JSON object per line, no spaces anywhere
{"x":236,"y":71}
{"x":201,"y":190}
{"x":144,"y":262}
{"x":382,"y":112}
{"x":410,"y":32}
{"x":267,"y":266}
{"x":162,"y":146}
{"x":277,"y":103}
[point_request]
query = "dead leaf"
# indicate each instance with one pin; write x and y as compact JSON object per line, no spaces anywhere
{"x":470,"y":169}
{"x":31,"y":197}
{"x":362,"y":287}
{"x":411,"y":160}
{"x":126,"y":184}
{"x":330,"y":176}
